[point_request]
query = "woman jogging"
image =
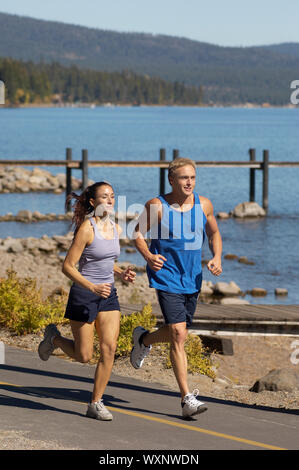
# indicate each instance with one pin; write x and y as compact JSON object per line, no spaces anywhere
{"x":93,"y":300}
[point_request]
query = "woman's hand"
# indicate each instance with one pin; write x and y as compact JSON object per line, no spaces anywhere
{"x":103,"y":290}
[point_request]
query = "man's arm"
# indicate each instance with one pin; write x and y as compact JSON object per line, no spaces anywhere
{"x":150,"y":216}
{"x":214,"y":238}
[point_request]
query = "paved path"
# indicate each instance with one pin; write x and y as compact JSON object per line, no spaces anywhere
{"x":48,"y":401}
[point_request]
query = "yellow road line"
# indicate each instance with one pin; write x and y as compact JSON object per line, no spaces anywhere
{"x":164,"y":421}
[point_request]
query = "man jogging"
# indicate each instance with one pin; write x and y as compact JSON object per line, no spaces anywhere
{"x":177,"y":223}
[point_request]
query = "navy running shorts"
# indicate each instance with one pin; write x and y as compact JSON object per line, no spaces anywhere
{"x":84,"y":305}
{"x":177,"y":308}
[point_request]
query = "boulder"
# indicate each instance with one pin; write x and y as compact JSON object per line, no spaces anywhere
{"x":37,"y":215}
{"x":281,"y":291}
{"x":258,"y":292}
{"x":227,"y":289}
{"x":233,"y":301}
{"x":206,"y":288}
{"x":248,"y":209}
{"x":25,"y":215}
{"x":22,"y":186}
{"x":245,"y":260}
{"x":223,"y":215}
{"x":278,"y":380}
{"x":12,"y":245}
{"x":47,"y":245}
{"x":230,"y":256}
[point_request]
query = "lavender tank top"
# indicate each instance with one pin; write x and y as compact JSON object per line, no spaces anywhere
{"x":97,"y":259}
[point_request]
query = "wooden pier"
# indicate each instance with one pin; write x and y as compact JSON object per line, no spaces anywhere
{"x":162,"y":164}
{"x":240,"y":319}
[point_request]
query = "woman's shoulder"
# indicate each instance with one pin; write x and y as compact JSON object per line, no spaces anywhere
{"x":118,"y":228}
{"x":85,"y":229}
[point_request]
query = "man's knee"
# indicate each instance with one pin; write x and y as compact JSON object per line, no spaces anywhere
{"x":84,"y":356}
{"x":108,"y":349}
{"x":178,"y":333}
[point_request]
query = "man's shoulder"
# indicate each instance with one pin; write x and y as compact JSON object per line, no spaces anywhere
{"x":206,"y":204}
{"x":153,"y":201}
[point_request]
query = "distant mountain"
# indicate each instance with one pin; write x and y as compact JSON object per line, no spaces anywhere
{"x":227,"y":74}
{"x":288,"y":48}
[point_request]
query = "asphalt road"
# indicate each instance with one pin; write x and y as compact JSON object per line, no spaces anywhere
{"x":47,"y":401}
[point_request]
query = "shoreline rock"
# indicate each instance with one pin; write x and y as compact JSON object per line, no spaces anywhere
{"x":27,"y":216}
{"x":244,"y":210}
{"x":21,"y":180}
{"x":248,"y":209}
{"x":56,"y":246}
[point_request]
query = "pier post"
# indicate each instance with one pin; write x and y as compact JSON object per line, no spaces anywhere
{"x":175,"y":154}
{"x":84,"y":168}
{"x":162,"y":172}
{"x":68,"y":176}
{"x":266,"y":180}
{"x":252,"y":177}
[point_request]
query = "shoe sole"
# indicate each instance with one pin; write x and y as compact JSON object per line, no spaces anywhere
{"x":40,"y":353}
{"x":200,"y":410}
{"x":44,"y":341}
{"x":131,"y":360}
{"x":99,"y":418}
{"x":135,"y":341}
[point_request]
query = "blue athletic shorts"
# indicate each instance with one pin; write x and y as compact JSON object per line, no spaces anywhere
{"x":84,"y":305}
{"x":177,"y":308}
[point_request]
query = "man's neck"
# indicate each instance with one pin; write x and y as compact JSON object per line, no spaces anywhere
{"x":180,"y":199}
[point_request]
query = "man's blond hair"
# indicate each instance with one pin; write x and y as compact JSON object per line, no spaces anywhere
{"x":178,"y":163}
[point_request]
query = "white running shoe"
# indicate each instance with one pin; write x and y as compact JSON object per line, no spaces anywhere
{"x":191,"y":405}
{"x":99,"y":411}
{"x":139,"y":351}
{"x":46,"y":347}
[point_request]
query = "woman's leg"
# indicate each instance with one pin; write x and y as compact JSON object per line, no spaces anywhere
{"x":107,"y":326}
{"x":81,"y":347}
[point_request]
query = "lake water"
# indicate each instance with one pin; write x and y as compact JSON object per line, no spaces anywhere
{"x":137,"y":133}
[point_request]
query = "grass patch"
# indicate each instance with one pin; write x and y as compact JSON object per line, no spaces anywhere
{"x":22,"y":308}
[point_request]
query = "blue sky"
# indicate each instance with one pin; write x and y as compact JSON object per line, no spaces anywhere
{"x":222,"y":22}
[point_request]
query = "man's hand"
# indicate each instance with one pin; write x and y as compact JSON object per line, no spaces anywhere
{"x":103,"y":290}
{"x":214,"y":266}
{"x":128,"y":275}
{"x":156,"y":262}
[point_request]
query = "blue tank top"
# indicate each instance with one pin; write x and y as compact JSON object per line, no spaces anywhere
{"x":179,"y":238}
{"x":97,"y":260}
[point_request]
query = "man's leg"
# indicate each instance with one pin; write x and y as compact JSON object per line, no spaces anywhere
{"x":178,"y":334}
{"x":175,"y":334}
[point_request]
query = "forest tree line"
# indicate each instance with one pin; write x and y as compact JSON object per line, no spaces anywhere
{"x":29,"y":83}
